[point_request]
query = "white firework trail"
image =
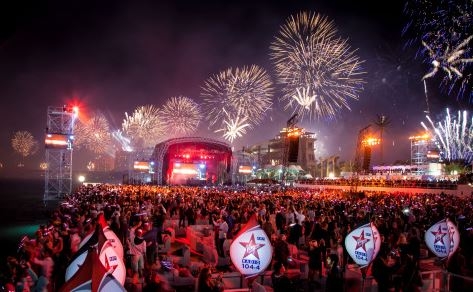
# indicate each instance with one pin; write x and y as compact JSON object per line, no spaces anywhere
{"x":304,"y":98}
{"x":234,"y":128}
{"x":125,"y":143}
{"x":453,"y":136}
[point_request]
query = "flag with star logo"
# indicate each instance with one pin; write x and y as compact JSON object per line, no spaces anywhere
{"x":454,"y":237}
{"x":442,"y":238}
{"x":92,"y":276}
{"x":109,"y":234}
{"x":107,"y":255}
{"x":251,"y":251}
{"x":363,"y":244}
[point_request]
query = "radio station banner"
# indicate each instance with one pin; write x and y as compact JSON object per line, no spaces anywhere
{"x":363,"y":244}
{"x":251,"y":251}
{"x":442,"y":238}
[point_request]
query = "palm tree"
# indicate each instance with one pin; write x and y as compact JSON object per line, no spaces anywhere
{"x":336,"y":169}
{"x":347,"y":166}
{"x":458,"y":166}
{"x":382,"y":121}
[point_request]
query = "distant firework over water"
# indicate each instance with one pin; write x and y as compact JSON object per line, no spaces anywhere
{"x":241,"y":92}
{"x":453,"y":136}
{"x":24,"y":143}
{"x":181,"y":115}
{"x":144,"y":127}
{"x":318,"y":71}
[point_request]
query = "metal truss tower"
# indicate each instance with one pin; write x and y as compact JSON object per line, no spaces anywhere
{"x":58,"y":144}
{"x":421,"y":146}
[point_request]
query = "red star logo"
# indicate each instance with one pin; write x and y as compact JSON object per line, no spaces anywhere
{"x":439,"y":235}
{"x":252,"y":247}
{"x":361,"y":241}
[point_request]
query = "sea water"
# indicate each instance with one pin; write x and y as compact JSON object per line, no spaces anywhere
{"x":22,"y":211}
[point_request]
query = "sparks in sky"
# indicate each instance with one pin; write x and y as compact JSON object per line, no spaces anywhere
{"x":181,"y":115}
{"x":304,"y":98}
{"x":309,"y":56}
{"x":246,"y":91}
{"x":145,"y":126}
{"x":94,"y":134}
{"x":233,"y":127}
{"x":437,"y":22}
{"x":24,"y":143}
{"x":450,"y":61}
{"x":392,"y":69}
{"x":123,"y":142}
{"x":442,"y":31}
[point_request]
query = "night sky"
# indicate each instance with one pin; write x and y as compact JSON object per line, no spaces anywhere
{"x":113,"y":56}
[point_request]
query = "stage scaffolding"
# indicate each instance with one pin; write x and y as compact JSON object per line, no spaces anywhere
{"x":423,"y":151}
{"x":58,"y":145}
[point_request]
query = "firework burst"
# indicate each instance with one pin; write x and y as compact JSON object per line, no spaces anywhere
{"x":94,"y":134}
{"x":318,"y":71}
{"x":443,"y":30}
{"x":24,"y":143}
{"x":246,"y":92}
{"x":233,"y":127}
{"x":437,"y":22}
{"x":453,"y":136}
{"x":145,"y":126}
{"x":181,"y":115}
{"x":450,"y":61}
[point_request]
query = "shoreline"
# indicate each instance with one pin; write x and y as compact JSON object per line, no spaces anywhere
{"x":22,"y":210}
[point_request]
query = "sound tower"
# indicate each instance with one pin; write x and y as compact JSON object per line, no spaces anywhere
{"x":366,"y":159}
{"x":293,"y":151}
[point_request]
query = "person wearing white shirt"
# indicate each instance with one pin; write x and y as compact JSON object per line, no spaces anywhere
{"x":46,"y":264}
{"x":137,"y":246}
{"x":222,"y":235}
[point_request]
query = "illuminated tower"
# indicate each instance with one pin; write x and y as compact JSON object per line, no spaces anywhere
{"x":291,"y":141}
{"x":363,"y":150}
{"x":58,"y":144}
{"x":423,"y":152}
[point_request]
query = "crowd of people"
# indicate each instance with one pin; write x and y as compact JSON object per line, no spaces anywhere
{"x":378,"y":181}
{"x":313,"y":222}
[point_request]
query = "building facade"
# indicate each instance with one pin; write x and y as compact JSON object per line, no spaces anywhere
{"x":289,"y":147}
{"x":424,"y":154}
